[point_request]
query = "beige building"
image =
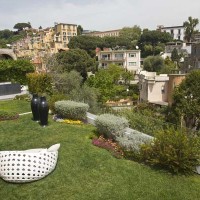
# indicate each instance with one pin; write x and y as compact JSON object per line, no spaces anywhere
{"x":128,"y":59}
{"x":158,"y":89}
{"x":153,"y":88}
{"x":113,"y":33}
{"x":63,"y":34}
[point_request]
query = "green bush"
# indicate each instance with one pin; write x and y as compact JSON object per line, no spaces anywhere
{"x":110,"y":125}
{"x":25,"y":97}
{"x":71,"y":109}
{"x":15,"y":70}
{"x":5,"y":115}
{"x":173,"y":150}
{"x":53,"y":98}
{"x":39,"y":83}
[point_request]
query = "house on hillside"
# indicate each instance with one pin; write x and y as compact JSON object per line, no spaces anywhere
{"x":158,"y":89}
{"x":113,"y":33}
{"x":177,"y":32}
{"x":128,"y":59}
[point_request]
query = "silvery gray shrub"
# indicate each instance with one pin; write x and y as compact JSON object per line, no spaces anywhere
{"x":132,"y":141}
{"x":71,"y":109}
{"x":110,"y":125}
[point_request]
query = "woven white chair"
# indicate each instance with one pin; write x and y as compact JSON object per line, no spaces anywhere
{"x":29,"y":165}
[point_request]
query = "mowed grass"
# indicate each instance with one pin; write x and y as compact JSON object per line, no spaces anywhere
{"x":84,"y":171}
{"x":19,"y":106}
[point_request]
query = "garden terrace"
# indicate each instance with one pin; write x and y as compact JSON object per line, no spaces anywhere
{"x":84,"y":171}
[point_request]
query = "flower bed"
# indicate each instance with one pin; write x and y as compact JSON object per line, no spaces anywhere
{"x":67,"y":121}
{"x":4,"y":115}
{"x":109,"y":145}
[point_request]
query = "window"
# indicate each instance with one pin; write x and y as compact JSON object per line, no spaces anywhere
{"x":69,"y":33}
{"x":64,"y":38}
{"x":172,"y":32}
{"x":119,"y":56}
{"x":131,"y":55}
{"x":64,"y":33}
{"x":132,"y":64}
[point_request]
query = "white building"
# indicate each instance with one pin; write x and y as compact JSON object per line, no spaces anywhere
{"x":177,"y":32}
{"x":153,"y":88}
{"x":128,"y":59}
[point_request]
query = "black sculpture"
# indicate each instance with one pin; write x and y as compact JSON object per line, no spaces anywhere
{"x":34,"y":107}
{"x":43,"y":109}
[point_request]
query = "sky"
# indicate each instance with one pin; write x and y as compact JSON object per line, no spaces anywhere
{"x":100,"y":15}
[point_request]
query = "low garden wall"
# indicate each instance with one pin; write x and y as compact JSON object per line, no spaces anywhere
{"x":9,"y":88}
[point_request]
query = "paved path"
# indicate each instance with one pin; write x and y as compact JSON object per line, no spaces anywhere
{"x":11,"y":96}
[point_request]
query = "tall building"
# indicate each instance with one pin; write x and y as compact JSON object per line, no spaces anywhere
{"x":63,"y":34}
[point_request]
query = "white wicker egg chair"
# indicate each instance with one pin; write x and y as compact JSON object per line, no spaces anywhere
{"x":29,"y":165}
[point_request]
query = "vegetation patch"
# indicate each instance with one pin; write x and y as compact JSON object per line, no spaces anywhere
{"x":6,"y":115}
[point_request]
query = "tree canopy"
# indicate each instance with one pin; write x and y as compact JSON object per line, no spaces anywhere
{"x":21,"y":26}
{"x":76,"y":59}
{"x":190,"y":26}
{"x":186,"y":103}
{"x":154,"y":63}
{"x":152,"y":42}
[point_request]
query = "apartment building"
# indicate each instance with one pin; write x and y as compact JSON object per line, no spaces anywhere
{"x":128,"y":59}
{"x":63,"y":34}
{"x":113,"y":33}
{"x":177,"y":32}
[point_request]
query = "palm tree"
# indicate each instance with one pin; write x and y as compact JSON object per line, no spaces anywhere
{"x":190,"y":28}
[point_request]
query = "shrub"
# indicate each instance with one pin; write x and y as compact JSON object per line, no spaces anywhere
{"x":173,"y":150}
{"x":55,"y":97}
{"x":15,"y":70}
{"x":71,"y":109}
{"x":39,"y":83}
{"x":5,"y":115}
{"x":110,"y":125}
{"x":133,"y":141}
{"x":25,"y":97}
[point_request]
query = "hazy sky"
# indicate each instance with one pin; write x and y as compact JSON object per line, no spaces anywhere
{"x":98,"y":14}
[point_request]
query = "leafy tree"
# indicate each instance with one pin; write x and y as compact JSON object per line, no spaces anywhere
{"x":76,"y":59}
{"x":153,"y":38}
{"x":169,"y":66}
{"x":186,"y":105}
{"x":21,"y":26}
{"x":87,"y":43}
{"x":190,"y":28}
{"x":79,"y":30}
{"x":154,"y":64}
{"x":174,"y":56}
{"x":40,"y":27}
{"x":131,"y":33}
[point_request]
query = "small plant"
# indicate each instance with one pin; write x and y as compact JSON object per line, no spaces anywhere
{"x":5,"y":115}
{"x":25,"y":97}
{"x":173,"y":150}
{"x":71,"y":110}
{"x":110,"y":125}
{"x":109,"y":145}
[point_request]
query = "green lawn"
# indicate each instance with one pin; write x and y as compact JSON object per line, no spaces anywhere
{"x":18,"y":106}
{"x":84,"y":171}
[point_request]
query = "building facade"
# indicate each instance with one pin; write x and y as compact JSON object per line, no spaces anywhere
{"x":153,"y":88}
{"x":128,"y":59}
{"x":177,"y":32}
{"x":111,"y":33}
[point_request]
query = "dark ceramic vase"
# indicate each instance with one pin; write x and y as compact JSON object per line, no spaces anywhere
{"x":34,"y":107}
{"x":43,"y":109}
